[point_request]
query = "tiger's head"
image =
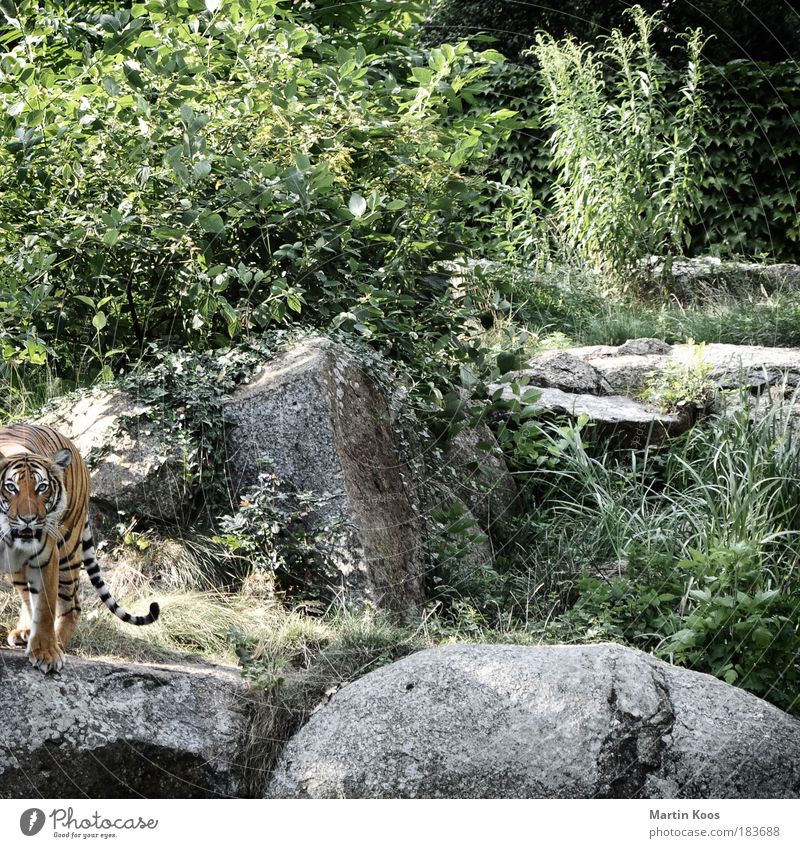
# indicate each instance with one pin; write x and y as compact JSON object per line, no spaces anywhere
{"x":33,"y":497}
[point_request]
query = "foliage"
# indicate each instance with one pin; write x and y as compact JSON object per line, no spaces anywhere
{"x":746,"y":204}
{"x":742,"y":29}
{"x":739,"y":622}
{"x":681,"y":387}
{"x":183,"y":393}
{"x":461,"y":571}
{"x":192,"y":173}
{"x":748,"y":200}
{"x":281,"y":533}
{"x":701,"y":540}
{"x":628,"y":162}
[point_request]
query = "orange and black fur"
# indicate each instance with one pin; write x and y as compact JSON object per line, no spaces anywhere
{"x":45,"y":538}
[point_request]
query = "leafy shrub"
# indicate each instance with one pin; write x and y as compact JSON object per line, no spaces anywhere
{"x":677,"y":386}
{"x":190,"y":173}
{"x":738,"y":622}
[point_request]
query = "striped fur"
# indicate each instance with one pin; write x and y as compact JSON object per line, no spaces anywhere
{"x":45,"y":538}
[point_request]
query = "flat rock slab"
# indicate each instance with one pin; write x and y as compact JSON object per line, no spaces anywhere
{"x":631,"y":419}
{"x":629,"y":374}
{"x":605,"y":382}
{"x":628,"y":367}
{"x":576,"y":721}
{"x":103,"y":730}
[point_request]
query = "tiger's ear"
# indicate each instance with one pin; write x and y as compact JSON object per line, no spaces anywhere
{"x":63,"y":459}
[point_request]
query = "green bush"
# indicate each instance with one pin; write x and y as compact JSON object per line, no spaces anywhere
{"x":191,"y":172}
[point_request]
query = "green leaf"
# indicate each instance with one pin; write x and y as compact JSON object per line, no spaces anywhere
{"x":167,"y":233}
{"x":211,"y":222}
{"x":99,"y":321}
{"x":111,"y":237}
{"x":422,"y":75}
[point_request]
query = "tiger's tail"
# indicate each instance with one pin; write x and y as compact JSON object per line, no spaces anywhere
{"x":93,"y":570}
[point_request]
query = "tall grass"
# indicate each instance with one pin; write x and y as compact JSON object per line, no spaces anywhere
{"x":704,"y":539}
{"x":568,"y":307}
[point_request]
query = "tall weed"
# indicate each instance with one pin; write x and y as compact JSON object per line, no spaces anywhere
{"x":628,"y":159}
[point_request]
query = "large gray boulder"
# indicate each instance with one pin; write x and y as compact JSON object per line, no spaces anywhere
{"x":502,"y":721}
{"x":119,"y":731}
{"x":134,"y":467}
{"x":324,"y":425}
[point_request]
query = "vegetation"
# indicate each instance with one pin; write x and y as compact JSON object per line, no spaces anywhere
{"x":628,"y":160}
{"x":756,"y":30}
{"x":745,"y":202}
{"x":171,"y":178}
{"x":189,"y":185}
{"x":703,"y":541}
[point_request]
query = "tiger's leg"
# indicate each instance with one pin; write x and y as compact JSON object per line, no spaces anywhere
{"x":69,"y":608}
{"x":18,"y":637}
{"x":43,"y":649}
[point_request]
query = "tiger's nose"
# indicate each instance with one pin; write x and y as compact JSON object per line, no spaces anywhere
{"x":27,"y":519}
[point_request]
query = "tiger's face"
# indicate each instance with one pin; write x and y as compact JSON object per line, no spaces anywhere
{"x":33,"y":497}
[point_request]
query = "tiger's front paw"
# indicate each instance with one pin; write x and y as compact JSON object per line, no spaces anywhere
{"x":18,"y":637}
{"x":45,"y":654}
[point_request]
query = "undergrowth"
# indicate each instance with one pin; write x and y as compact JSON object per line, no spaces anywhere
{"x":688,"y":552}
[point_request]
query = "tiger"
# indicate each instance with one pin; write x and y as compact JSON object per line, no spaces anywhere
{"x":45,"y":538}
